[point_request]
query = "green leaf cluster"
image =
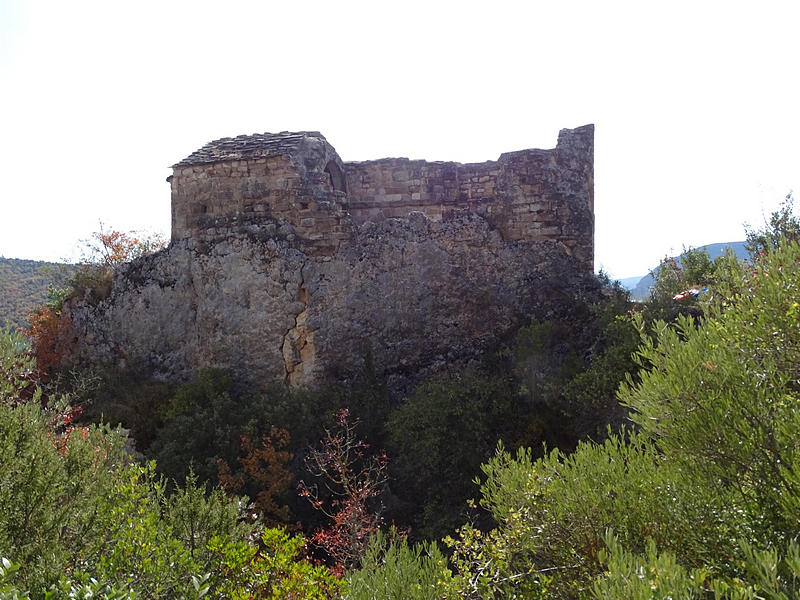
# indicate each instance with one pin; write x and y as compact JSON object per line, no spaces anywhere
{"x":783,"y":225}
{"x":654,"y":575}
{"x":275,"y":571}
{"x":397,"y":570}
{"x":72,"y":503}
{"x":439,"y":437}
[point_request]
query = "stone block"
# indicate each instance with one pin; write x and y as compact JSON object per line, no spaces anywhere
{"x":550,"y":231}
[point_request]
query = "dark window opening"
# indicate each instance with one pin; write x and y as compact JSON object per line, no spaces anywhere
{"x":335,"y":177}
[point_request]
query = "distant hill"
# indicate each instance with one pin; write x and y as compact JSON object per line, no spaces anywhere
{"x":630,"y":282}
{"x":642,"y":288}
{"x":23,"y":287}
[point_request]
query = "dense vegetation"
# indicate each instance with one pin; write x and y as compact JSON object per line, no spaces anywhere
{"x":616,"y":450}
{"x":80,"y":518}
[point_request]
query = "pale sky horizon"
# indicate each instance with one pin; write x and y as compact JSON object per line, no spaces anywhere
{"x":694,"y":103}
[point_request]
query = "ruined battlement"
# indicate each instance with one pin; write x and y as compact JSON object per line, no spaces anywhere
{"x":238,"y":184}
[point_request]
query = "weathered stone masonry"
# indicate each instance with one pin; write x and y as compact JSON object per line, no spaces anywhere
{"x":233,"y":183}
{"x":286,"y":263}
{"x":532,"y":195}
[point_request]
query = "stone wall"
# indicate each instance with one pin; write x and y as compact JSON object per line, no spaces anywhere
{"x":213,"y":200}
{"x":532,"y":195}
{"x":394,"y":187}
{"x":239,"y":183}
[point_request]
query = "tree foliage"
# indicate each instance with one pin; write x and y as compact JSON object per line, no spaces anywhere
{"x":720,"y":398}
{"x":275,"y":570}
{"x":111,"y":248}
{"x":393,"y":569}
{"x":104,"y":251}
{"x":49,"y":332}
{"x":439,"y":437}
{"x":702,"y":498}
{"x":782,"y":226}
{"x":349,"y":480}
{"x":264,"y":475}
{"x":692,"y":269}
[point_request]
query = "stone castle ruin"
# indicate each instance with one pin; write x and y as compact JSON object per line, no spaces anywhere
{"x":530,"y":195}
{"x":288,"y":263}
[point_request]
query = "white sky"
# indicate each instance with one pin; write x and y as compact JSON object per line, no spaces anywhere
{"x":696,"y":104}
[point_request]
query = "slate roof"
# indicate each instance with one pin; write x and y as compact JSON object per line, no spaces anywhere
{"x":258,"y":145}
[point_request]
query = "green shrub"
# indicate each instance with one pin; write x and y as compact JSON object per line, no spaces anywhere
{"x":654,"y":575}
{"x":553,"y":513}
{"x":396,"y":570}
{"x":783,"y":225}
{"x":85,"y":521}
{"x":123,"y":397}
{"x":703,"y":497}
{"x":438,"y":439}
{"x":203,"y":422}
{"x":545,"y":356}
{"x":72,"y":502}
{"x":67,"y":588}
{"x":276,"y":570}
{"x":721,"y":399}
{"x":567,"y":371}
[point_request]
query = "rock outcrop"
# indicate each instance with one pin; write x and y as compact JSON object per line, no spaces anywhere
{"x":279,"y":269}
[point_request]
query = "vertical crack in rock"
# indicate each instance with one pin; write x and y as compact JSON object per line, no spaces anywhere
{"x":298,"y":343}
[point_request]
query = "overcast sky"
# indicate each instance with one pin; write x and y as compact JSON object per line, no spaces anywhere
{"x":696,"y":104}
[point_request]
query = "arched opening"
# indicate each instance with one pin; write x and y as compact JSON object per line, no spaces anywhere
{"x":335,"y":177}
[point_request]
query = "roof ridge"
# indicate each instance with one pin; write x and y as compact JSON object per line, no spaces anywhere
{"x":246,"y":146}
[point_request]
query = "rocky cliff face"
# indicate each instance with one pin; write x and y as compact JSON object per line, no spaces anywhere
{"x":270,"y":274}
{"x":419,"y":294}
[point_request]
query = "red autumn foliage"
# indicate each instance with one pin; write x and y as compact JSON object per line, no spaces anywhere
{"x":63,"y":427}
{"x":353,"y":481}
{"x":49,"y":332}
{"x":264,"y":474}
